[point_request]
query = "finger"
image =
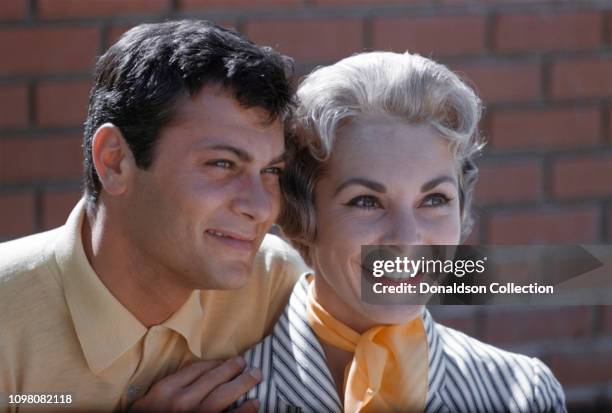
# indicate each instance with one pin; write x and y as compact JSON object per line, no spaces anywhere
{"x":187,"y":375}
{"x":250,"y":406}
{"x":224,"y":395}
{"x":200,"y":388}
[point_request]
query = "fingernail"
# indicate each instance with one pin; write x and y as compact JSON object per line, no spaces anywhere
{"x":240,"y":361}
{"x":255,"y":403}
{"x":255,"y":373}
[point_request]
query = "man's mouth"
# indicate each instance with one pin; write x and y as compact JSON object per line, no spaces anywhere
{"x":239,"y":241}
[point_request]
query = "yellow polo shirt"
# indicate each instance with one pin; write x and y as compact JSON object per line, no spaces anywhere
{"x":63,"y":333}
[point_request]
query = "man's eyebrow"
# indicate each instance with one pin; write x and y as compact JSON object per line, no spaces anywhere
{"x":374,"y":186}
{"x":243,"y":155}
{"x":437,"y":181}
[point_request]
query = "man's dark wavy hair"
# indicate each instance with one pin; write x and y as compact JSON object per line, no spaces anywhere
{"x":140,"y":79}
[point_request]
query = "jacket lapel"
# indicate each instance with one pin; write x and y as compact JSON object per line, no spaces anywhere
{"x":299,"y":360}
{"x":436,"y":366}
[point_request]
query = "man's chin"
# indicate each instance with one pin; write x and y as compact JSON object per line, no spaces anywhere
{"x":235,"y":282}
{"x":227,"y":278}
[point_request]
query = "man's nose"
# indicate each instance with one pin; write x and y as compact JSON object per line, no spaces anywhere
{"x":254,"y":200}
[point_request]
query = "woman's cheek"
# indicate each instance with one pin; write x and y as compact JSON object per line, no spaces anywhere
{"x":441,"y":229}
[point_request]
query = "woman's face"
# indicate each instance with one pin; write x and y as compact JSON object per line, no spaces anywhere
{"x":386,"y":182}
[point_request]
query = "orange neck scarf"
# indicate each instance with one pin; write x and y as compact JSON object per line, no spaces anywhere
{"x":388,"y":372}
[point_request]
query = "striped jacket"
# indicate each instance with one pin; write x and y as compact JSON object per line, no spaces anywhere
{"x":465,"y":375}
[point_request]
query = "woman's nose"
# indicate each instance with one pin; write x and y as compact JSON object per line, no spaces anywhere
{"x":403,"y":228}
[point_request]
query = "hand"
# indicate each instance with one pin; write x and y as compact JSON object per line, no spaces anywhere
{"x":206,"y":386}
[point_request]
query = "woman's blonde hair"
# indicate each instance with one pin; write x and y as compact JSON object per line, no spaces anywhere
{"x":408,"y":87}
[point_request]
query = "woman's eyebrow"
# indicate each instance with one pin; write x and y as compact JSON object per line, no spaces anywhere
{"x":374,"y":186}
{"x":437,"y":181}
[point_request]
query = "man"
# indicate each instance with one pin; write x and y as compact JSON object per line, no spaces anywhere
{"x":160,"y":265}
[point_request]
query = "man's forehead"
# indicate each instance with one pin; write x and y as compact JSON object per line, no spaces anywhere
{"x":218,"y":107}
{"x":241,"y":140}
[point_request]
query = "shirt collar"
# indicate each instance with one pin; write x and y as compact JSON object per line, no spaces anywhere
{"x":104,"y":327}
{"x":187,"y":321}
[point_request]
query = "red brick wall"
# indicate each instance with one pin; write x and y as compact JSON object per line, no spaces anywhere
{"x":544,"y":69}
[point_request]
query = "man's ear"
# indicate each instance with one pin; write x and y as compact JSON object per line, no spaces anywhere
{"x":112,"y":159}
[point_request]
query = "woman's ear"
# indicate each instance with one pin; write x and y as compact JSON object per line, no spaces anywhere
{"x":112,"y":159}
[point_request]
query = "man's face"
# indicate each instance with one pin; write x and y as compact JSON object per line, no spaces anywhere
{"x":200,"y":212}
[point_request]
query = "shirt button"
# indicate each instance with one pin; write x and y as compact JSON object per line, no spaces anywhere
{"x":133,"y":391}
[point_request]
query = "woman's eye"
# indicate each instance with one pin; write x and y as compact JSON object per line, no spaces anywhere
{"x":274,"y":170}
{"x":222,"y":163}
{"x":365,"y":201}
{"x":436,"y":200}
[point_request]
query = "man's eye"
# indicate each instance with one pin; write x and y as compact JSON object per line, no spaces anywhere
{"x":436,"y":200}
{"x":222,"y":163}
{"x":274,"y":170}
{"x":365,"y":201}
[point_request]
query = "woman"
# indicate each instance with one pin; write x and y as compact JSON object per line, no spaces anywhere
{"x":388,"y":141}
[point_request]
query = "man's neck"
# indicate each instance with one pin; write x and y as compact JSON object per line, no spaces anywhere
{"x":147,"y":293}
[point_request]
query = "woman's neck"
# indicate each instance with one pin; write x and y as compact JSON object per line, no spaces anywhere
{"x":324,"y":294}
{"x":337,"y":358}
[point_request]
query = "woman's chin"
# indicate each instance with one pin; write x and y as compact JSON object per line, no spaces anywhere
{"x":392,"y":314}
